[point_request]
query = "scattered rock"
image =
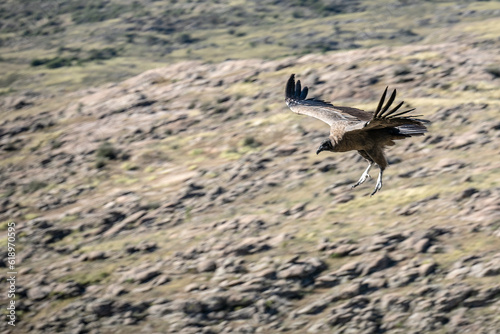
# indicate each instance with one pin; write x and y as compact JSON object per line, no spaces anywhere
{"x":206,"y":266}
{"x":93,"y":256}
{"x":38,"y":293}
{"x":101,"y":307}
{"x":250,"y":245}
{"x":197,"y":215}
{"x":380,"y":263}
{"x":342,"y":198}
{"x":427,"y":268}
{"x":124,"y":223}
{"x":285,"y":150}
{"x":301,"y":269}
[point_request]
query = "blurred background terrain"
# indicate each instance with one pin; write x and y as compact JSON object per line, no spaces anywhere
{"x":159,"y":183}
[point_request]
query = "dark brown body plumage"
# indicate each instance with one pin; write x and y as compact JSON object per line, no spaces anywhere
{"x":353,"y":129}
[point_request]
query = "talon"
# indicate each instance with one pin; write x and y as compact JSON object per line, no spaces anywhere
{"x":366,"y":176}
{"x":363,"y":177}
{"x":361,"y":180}
{"x":378,"y":186}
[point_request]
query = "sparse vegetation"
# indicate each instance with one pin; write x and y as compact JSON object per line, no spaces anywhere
{"x":102,"y":54}
{"x":55,"y":143}
{"x":100,"y":163}
{"x":494,"y":70}
{"x":129,"y":166}
{"x":222,"y":194}
{"x":9,"y":79}
{"x":107,"y":150}
{"x":99,"y":10}
{"x":9,"y":191}
{"x":251,"y":142}
{"x":103,"y":30}
{"x":33,"y":186}
{"x":185,"y":38}
{"x":402,"y":70}
{"x":75,"y":59}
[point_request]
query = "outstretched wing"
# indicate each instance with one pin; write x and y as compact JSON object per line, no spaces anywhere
{"x":385,"y":118}
{"x":295,"y":98}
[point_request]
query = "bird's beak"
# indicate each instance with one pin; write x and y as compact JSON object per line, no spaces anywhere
{"x":319,"y":150}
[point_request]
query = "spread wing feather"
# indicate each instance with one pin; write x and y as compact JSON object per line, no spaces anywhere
{"x":385,"y":118}
{"x":354,"y":119}
{"x":295,"y":98}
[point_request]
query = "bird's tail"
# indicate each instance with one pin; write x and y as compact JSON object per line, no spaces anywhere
{"x":410,"y":130}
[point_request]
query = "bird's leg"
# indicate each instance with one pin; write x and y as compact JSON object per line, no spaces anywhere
{"x":364,"y":176}
{"x":378,"y":186}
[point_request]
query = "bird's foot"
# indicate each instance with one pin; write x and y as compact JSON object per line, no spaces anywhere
{"x":378,"y":186}
{"x":365,"y":176}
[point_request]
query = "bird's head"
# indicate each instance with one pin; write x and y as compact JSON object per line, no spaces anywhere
{"x":326,"y":145}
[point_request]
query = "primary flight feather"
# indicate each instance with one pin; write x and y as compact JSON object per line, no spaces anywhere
{"x":355,"y":129}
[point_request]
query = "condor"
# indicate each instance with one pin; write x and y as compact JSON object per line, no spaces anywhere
{"x":354,"y":129}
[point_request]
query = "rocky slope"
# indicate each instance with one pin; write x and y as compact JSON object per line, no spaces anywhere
{"x":188,"y":199}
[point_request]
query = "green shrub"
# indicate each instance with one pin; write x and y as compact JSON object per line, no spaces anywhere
{"x":38,"y":62}
{"x":58,"y":62}
{"x":9,"y":191}
{"x":107,"y":150}
{"x":493,"y":70}
{"x":185,"y":38}
{"x":100,"y":10}
{"x":101,"y":163}
{"x":33,"y":186}
{"x":402,"y":70}
{"x":250,"y":142}
{"x":55,"y":62}
{"x":102,"y":54}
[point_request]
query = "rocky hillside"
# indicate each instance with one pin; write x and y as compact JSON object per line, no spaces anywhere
{"x":189,"y":199}
{"x":62,"y":46}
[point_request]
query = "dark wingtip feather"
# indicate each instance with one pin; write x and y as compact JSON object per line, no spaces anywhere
{"x":382,"y":113}
{"x":389,"y":103}
{"x":295,"y":90}
{"x":298,"y":88}
{"x":402,"y":113}
{"x":303,"y":95}
{"x":290,"y":87}
{"x":380,"y":103}
{"x":394,"y":109}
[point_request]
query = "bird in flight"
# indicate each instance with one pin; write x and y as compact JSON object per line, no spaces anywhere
{"x":355,"y":129}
